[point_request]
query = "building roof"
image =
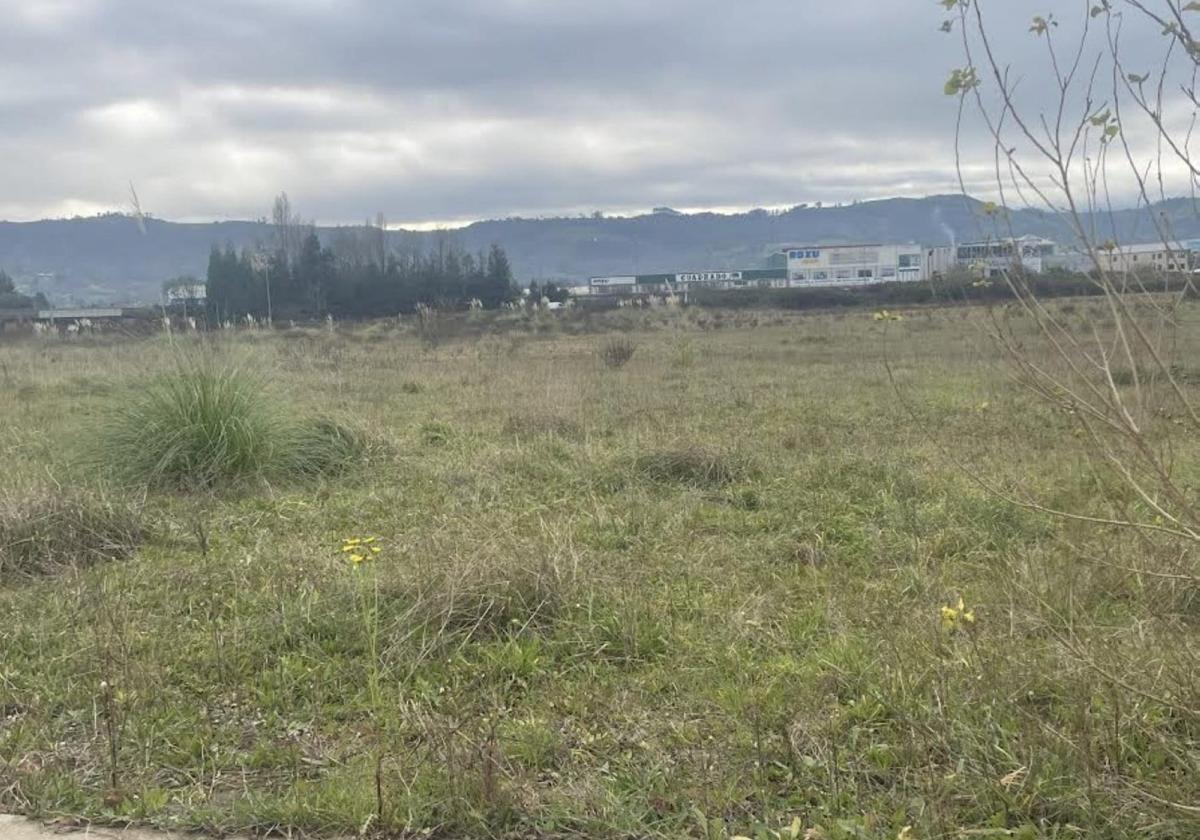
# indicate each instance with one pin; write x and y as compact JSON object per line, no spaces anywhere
{"x":1151,"y":247}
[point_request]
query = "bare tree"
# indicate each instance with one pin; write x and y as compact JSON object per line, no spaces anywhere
{"x":1071,"y":137}
{"x":289,"y":229}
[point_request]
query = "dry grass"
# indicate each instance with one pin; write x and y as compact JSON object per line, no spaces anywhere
{"x":48,"y":530}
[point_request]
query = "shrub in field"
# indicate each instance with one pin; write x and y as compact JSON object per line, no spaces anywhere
{"x":47,"y":530}
{"x":692,"y":466}
{"x":617,"y":352}
{"x":205,"y":424}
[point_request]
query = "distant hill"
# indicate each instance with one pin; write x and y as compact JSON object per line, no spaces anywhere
{"x":108,"y":258}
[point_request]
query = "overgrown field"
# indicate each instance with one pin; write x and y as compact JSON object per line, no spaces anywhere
{"x":709,"y":588}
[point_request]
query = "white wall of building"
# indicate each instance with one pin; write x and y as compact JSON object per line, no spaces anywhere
{"x":852,"y":265}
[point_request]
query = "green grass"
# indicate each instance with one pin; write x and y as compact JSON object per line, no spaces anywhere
{"x":696,"y":597}
{"x":210,"y":422}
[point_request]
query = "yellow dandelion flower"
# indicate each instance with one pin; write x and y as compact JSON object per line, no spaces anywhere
{"x":357,"y":558}
{"x":375,"y":549}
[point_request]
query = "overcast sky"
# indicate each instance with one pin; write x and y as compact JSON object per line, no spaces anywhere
{"x":434,"y":111}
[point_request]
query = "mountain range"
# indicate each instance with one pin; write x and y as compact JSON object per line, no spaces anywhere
{"x":114,"y":258}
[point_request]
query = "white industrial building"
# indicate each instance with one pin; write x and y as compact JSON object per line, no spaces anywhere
{"x":993,"y":257}
{"x":1150,"y":256}
{"x":852,"y":265}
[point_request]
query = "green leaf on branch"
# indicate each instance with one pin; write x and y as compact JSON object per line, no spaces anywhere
{"x":961,"y":81}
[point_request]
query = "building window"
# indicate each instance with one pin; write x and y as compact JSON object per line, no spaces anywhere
{"x":799,"y":275}
{"x":889,"y":272}
{"x":820,"y":275}
{"x":866,"y":273}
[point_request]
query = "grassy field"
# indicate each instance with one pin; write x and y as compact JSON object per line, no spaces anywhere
{"x":713,"y":592}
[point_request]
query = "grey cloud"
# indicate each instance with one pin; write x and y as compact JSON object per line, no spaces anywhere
{"x":459,"y":109}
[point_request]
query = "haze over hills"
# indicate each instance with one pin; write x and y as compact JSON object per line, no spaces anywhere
{"x":109,"y":259}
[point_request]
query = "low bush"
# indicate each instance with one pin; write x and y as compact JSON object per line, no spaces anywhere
{"x":48,"y":530}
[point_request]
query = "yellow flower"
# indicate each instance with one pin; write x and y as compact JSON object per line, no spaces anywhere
{"x":953,"y":616}
{"x":360,"y":548}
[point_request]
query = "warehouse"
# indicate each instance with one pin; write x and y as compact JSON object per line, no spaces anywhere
{"x":993,"y":257}
{"x":1151,"y":256}
{"x":680,"y":283}
{"x":852,"y":265}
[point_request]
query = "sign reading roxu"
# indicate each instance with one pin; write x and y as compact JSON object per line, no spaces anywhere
{"x":807,"y":254}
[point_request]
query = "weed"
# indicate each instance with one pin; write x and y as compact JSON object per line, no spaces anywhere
{"x":617,"y":352}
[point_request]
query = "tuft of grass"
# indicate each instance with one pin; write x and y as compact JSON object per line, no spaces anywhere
{"x":692,"y":466}
{"x":205,"y":424}
{"x":617,"y":352}
{"x":486,"y":597}
{"x":48,"y":530}
{"x":542,"y":424}
{"x":323,"y":446}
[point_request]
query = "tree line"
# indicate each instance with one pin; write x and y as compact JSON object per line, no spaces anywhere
{"x":356,"y":276}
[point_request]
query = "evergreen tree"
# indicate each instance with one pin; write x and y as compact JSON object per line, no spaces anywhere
{"x":498,"y":287}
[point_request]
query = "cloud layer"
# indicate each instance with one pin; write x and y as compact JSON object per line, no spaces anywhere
{"x":446,"y":110}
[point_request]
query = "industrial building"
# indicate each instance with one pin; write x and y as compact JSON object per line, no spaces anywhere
{"x":678,"y":284}
{"x":852,"y":265}
{"x":993,"y":257}
{"x":810,"y":266}
{"x":1151,"y":256}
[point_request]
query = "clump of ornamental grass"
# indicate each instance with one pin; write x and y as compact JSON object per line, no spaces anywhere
{"x":691,"y":466}
{"x":205,"y":424}
{"x":48,"y":530}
